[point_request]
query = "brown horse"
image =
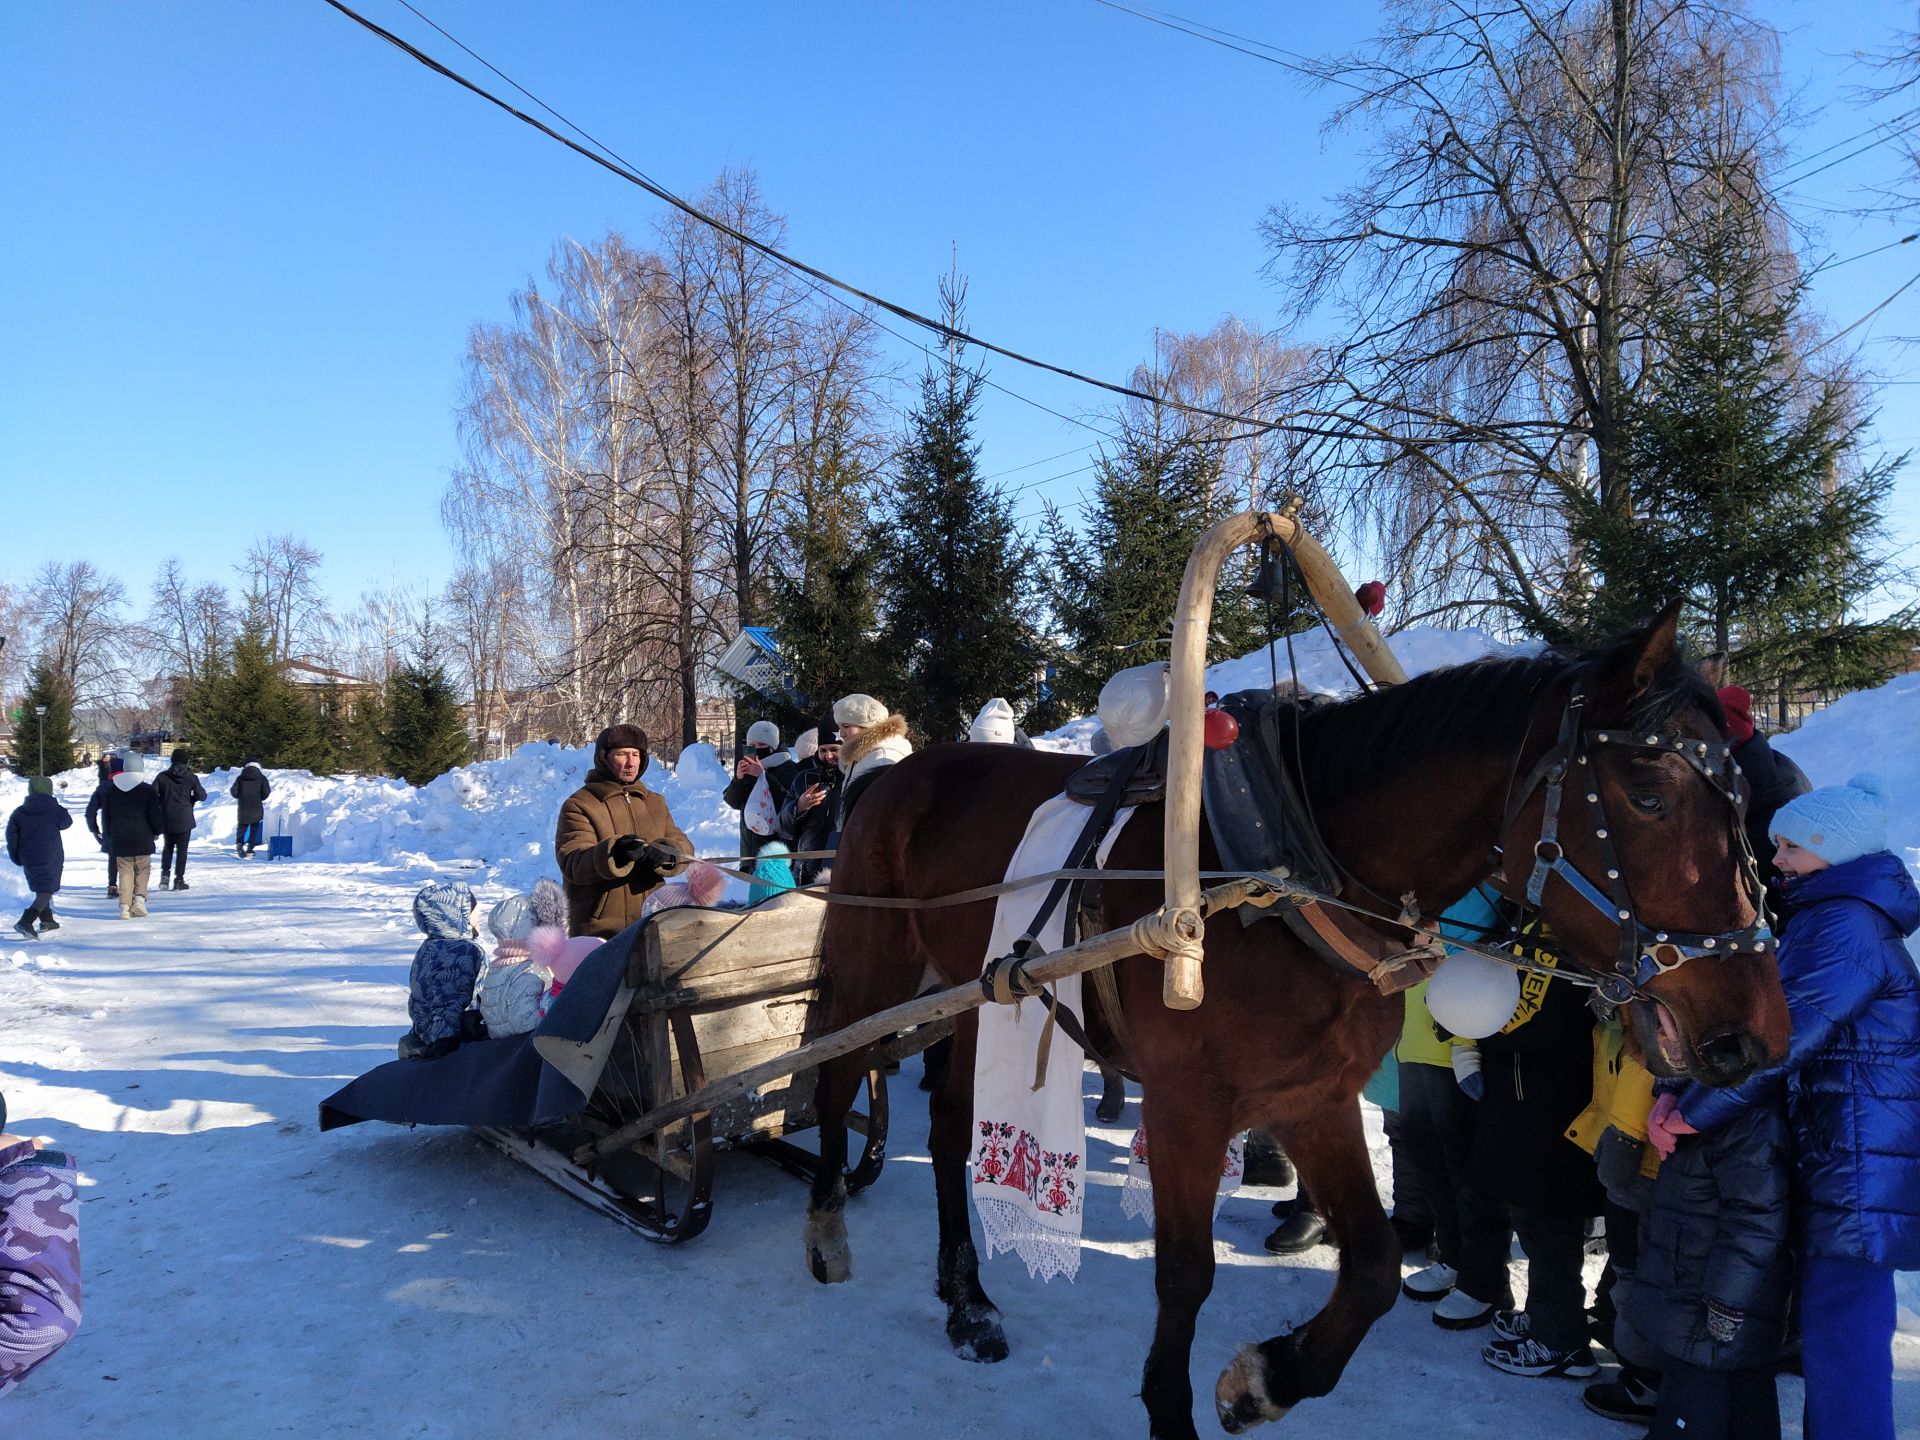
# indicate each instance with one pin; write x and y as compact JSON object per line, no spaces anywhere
{"x":1427,"y":789}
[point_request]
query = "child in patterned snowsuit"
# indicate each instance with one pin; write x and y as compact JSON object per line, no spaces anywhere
{"x":445,"y":969}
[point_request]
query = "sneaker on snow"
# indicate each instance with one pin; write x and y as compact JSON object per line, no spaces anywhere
{"x":1460,"y":1311}
{"x":1628,"y":1399}
{"x":1510,"y":1324}
{"x":47,"y":922}
{"x":1525,"y":1355}
{"x":113,"y":892}
{"x":139,"y":907}
{"x":180,"y":884}
{"x":1431,"y":1283}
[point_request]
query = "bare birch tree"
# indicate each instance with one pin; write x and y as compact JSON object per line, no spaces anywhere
{"x":75,"y":612}
{"x":280,"y":586}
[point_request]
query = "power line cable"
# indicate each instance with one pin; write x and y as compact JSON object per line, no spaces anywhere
{"x":1911,"y":282}
{"x":939,"y":328}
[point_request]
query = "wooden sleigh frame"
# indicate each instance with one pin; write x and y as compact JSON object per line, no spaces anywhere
{"x":709,"y":993}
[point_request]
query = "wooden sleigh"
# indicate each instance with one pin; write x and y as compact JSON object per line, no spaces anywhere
{"x":709,"y":994}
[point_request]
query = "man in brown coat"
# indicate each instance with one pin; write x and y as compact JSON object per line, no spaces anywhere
{"x":616,"y":841}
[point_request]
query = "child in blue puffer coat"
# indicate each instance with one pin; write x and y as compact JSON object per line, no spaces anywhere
{"x":445,"y":969}
{"x":1852,"y":1085}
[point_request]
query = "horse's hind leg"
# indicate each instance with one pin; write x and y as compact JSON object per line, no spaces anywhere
{"x":973,"y":1322}
{"x":1187,"y":1139}
{"x":828,"y":1255}
{"x":1266,"y":1380}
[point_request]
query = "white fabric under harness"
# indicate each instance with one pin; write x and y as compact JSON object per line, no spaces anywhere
{"x":1029,"y":1145}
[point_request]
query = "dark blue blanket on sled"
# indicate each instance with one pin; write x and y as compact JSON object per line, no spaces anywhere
{"x":546,"y":1074}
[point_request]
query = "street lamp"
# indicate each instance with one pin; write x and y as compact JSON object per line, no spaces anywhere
{"x":41,"y":711}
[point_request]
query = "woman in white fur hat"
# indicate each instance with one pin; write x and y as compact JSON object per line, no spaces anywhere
{"x":871,"y":739}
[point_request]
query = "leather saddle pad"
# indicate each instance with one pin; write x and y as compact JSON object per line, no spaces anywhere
{"x":1145,"y":766}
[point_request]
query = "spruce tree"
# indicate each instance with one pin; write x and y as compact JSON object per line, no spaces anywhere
{"x":51,"y":736}
{"x":1751,"y":500}
{"x":1115,"y":586}
{"x":825,"y":608}
{"x":959,"y":610}
{"x":422,"y":730}
{"x":243,"y":705}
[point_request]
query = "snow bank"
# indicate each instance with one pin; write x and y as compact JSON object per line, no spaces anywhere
{"x":1869,"y":730}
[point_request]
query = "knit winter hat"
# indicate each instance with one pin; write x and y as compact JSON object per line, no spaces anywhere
{"x":40,"y":785}
{"x":1738,"y":705}
{"x":1837,"y":822}
{"x":994,"y":724}
{"x":764,"y":732}
{"x":857,"y":709}
{"x":804,"y":747}
{"x":620,"y":737}
{"x":827,"y":732}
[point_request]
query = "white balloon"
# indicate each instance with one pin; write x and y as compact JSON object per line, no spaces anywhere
{"x":1473,"y":996}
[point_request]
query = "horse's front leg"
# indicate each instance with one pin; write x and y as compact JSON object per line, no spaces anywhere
{"x":1187,"y":1139}
{"x":1266,"y":1380}
{"x":973,"y":1321}
{"x":829,"y":1257}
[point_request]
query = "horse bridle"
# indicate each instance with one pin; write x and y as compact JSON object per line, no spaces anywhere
{"x":1645,"y":953}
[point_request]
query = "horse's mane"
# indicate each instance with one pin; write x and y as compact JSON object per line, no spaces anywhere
{"x":1349,"y":744}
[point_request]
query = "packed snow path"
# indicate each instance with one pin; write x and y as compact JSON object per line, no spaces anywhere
{"x":247,"y":1276}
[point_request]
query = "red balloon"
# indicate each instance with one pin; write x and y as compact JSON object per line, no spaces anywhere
{"x":1372,"y":597}
{"x":1220,"y":729}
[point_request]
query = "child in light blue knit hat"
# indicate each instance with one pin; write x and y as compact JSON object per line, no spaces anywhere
{"x":1832,"y":825}
{"x":1852,"y":1085}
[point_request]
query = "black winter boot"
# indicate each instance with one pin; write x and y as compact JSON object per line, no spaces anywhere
{"x":47,"y":922}
{"x":25,"y":924}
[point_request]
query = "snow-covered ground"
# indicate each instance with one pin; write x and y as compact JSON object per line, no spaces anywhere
{"x":247,"y":1276}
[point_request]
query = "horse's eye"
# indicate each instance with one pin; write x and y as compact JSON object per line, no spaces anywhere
{"x":1648,"y":803}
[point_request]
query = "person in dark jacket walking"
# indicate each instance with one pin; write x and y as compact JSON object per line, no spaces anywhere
{"x":806,"y":820}
{"x":179,"y":790}
{"x":131,"y":818}
{"x":1713,"y":1276}
{"x":1852,"y":1085}
{"x":251,"y":788}
{"x":763,"y":759}
{"x":1772,"y":779}
{"x":108,"y":768}
{"x":34,"y":844}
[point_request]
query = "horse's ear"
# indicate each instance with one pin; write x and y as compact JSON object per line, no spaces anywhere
{"x":1639,"y":659}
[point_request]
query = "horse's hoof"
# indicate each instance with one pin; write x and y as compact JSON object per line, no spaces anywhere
{"x":1110,"y":1108}
{"x":1241,"y":1399}
{"x":829,"y":1258}
{"x":976,"y":1335}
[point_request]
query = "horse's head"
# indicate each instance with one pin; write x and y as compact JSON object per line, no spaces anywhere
{"x":1639,"y":868}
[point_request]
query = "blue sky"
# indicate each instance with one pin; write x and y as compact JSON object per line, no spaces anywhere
{"x":246,"y":240}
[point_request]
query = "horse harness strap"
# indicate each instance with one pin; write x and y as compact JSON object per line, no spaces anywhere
{"x":1644,"y":953}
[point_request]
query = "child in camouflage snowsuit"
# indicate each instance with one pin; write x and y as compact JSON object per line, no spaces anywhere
{"x":445,"y":969}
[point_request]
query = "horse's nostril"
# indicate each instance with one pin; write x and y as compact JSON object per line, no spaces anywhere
{"x":1733,"y":1056}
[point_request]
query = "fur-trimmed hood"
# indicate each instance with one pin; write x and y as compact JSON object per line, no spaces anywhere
{"x":880,"y":744}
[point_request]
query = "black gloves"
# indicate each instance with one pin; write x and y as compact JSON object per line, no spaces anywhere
{"x":648,"y":857}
